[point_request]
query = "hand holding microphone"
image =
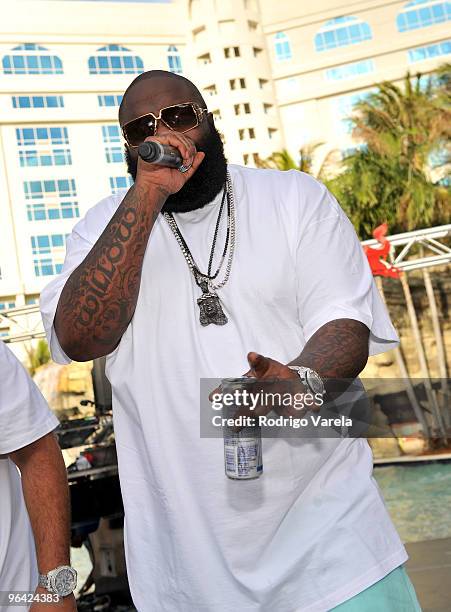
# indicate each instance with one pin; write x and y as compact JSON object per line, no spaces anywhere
{"x":168,"y":162}
{"x":154,"y":152}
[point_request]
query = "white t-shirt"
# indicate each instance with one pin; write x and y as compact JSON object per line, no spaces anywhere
{"x":311,"y":532}
{"x":24,"y":418}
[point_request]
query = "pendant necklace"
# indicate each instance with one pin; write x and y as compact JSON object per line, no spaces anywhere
{"x":209,"y":304}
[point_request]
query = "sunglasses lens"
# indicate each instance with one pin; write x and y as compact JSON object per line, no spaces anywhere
{"x":180,"y":118}
{"x":137,"y":131}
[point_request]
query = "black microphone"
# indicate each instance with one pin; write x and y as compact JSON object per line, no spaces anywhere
{"x":154,"y":152}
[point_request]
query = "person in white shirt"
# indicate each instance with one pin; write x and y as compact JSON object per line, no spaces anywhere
{"x":34,"y":504}
{"x":204,"y":272}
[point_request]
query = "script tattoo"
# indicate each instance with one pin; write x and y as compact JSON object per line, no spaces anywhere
{"x":99,"y":298}
{"x":338,"y":350}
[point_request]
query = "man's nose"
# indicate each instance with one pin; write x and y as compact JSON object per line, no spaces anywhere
{"x":161,"y":128}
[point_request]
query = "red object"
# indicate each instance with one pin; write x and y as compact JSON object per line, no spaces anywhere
{"x":377,"y":257}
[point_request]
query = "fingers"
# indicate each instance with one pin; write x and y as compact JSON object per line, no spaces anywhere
{"x":198,"y":159}
{"x":260,"y":365}
{"x":181,"y":142}
{"x":214,"y":393}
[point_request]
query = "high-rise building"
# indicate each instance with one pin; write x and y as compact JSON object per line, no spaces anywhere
{"x":275,"y":75}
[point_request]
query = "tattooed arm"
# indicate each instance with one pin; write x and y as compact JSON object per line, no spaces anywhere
{"x":338,"y":350}
{"x":99,"y":298}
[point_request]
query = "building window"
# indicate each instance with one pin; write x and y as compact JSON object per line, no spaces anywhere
{"x":111,"y":136}
{"x":246,"y":158}
{"x":262,"y":83}
{"x":48,"y":254}
{"x":246,"y":107}
{"x":109,"y":99}
{"x":282,"y":46}
{"x":231,"y":52}
{"x":174,"y":60}
{"x":246,"y":133}
{"x":6,"y":305}
{"x":267,"y":108}
{"x":350,"y":71}
{"x":234,"y":83}
{"x":256,"y":51}
{"x":30,"y":58}
{"x":42,"y":146}
{"x":37,"y":101}
{"x":51,"y":199}
{"x":120,"y":182}
{"x":423,"y":13}
{"x":114,"y":59}
{"x":204,"y":59}
{"x":272,"y":132}
{"x":211,"y":90}
{"x":422,"y":53}
{"x":342,"y":31}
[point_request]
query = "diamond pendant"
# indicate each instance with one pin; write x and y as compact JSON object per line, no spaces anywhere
{"x":210,"y":308}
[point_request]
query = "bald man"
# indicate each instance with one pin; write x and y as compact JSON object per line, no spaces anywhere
{"x":208,"y":271}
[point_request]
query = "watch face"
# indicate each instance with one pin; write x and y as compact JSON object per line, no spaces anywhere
{"x":315,"y":382}
{"x":64,"y":581}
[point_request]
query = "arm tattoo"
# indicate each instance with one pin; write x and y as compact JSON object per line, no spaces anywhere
{"x":99,"y":298}
{"x":338,"y":351}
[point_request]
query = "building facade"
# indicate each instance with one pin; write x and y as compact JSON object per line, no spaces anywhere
{"x":275,"y":75}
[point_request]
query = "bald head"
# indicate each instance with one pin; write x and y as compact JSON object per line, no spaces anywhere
{"x":155,"y":89}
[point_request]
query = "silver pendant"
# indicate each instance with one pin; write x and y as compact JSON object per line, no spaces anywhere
{"x":210,"y":307}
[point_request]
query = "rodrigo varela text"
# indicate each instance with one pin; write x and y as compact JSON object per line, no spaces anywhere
{"x":281,"y":421}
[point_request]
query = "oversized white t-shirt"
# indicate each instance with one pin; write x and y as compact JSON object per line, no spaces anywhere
{"x":24,"y":418}
{"x":311,"y":532}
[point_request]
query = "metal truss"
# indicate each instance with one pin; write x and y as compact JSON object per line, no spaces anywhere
{"x":401,"y":255}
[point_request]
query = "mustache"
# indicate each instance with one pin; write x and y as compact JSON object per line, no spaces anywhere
{"x":205,"y":183}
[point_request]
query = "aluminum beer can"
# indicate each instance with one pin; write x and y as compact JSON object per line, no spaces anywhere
{"x":242,"y":449}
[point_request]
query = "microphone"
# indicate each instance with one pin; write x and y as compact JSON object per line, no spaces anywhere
{"x":156,"y":153}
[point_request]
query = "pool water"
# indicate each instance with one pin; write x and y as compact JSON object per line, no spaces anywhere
{"x":418,"y":498}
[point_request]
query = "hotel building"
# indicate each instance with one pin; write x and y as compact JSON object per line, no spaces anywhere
{"x":275,"y":74}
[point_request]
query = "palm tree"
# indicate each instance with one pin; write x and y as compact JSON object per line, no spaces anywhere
{"x":399,"y":175}
{"x":282,"y":160}
{"x":37,"y":355}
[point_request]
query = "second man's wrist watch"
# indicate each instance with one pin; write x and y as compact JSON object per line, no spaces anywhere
{"x":60,"y":581}
{"x":310,"y":379}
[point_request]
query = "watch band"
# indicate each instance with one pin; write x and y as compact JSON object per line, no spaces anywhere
{"x":43,"y":581}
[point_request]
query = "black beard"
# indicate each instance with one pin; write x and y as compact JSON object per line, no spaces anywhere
{"x":206,"y":182}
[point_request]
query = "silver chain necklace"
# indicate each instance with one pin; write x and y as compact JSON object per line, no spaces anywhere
{"x":210,"y":307}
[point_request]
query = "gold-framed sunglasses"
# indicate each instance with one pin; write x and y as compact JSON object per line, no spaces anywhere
{"x":178,"y":117}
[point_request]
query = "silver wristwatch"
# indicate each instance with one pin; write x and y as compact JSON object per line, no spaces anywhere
{"x":310,"y":379}
{"x":61,"y":580}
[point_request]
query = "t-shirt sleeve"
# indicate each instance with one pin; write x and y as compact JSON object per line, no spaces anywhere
{"x":334,"y":277}
{"x":24,"y":414}
{"x":78,"y":244}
